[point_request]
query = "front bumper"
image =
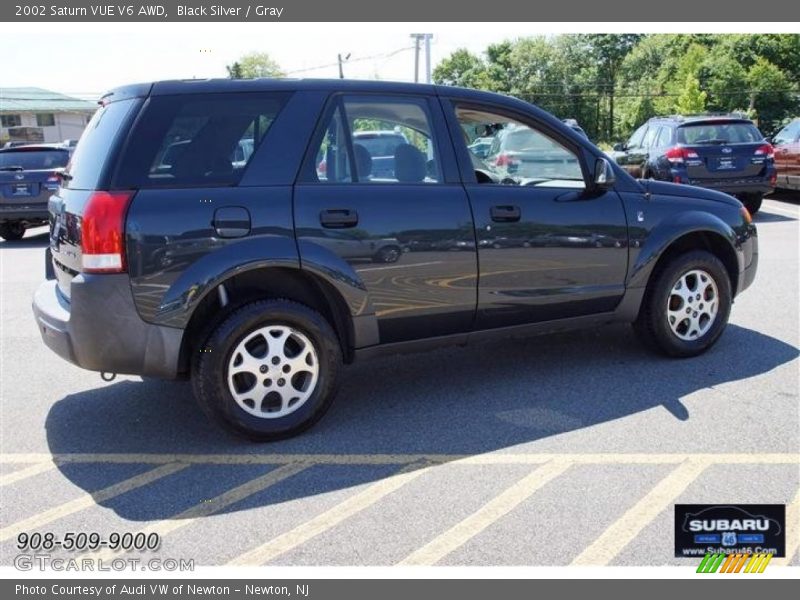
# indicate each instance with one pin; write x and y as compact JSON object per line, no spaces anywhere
{"x":99,"y":329}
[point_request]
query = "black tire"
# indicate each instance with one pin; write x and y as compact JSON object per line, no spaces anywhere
{"x":12,"y":231}
{"x":752,"y":202}
{"x":653,"y":326}
{"x":210,"y":366}
{"x":387,"y":254}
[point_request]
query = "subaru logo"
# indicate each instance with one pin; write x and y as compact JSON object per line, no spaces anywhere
{"x":19,"y":176}
{"x":727,"y":150}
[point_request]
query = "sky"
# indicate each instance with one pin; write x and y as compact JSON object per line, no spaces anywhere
{"x":86,"y":59}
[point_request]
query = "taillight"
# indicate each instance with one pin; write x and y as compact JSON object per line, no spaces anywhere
{"x":765,"y":150}
{"x":678,"y":154}
{"x":504,"y":160}
{"x":103,"y":232}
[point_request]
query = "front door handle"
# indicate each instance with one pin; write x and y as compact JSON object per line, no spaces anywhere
{"x":338,"y":218}
{"x":505,"y":214}
{"x":231,"y":222}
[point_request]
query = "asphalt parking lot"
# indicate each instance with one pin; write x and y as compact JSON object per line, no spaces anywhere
{"x":560,"y":450}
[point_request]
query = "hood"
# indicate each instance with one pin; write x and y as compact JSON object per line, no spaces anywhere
{"x":665,"y":188}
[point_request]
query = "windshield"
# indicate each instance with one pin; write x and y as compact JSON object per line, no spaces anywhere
{"x":31,"y":160}
{"x":719,"y":133}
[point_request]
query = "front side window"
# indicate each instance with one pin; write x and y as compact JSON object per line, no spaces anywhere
{"x":519,"y":154}
{"x":377,"y":140}
{"x":637,"y":137}
{"x":197,"y":141}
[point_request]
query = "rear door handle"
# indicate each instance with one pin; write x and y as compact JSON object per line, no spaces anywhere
{"x":338,"y":218}
{"x":231,"y":222}
{"x":505,"y":214}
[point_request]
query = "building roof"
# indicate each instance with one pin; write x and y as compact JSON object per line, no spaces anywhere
{"x":31,"y":99}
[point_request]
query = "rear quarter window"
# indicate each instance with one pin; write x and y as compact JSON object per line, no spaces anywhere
{"x":196,"y":140}
{"x":92,"y":155}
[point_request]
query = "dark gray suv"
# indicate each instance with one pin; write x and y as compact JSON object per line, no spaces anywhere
{"x":258,"y":275}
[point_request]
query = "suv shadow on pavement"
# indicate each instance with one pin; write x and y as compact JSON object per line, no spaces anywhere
{"x":38,"y":240}
{"x":464,"y":401}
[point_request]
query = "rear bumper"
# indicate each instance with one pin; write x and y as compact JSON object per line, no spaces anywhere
{"x":34,"y":211}
{"x":748,"y":258}
{"x":737,"y":189}
{"x":99,"y":329}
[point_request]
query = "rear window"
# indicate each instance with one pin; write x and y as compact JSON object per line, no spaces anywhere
{"x":197,"y":141}
{"x":92,"y":153}
{"x":33,"y":160}
{"x":719,"y":133}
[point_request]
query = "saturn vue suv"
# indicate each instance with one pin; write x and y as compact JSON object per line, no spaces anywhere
{"x":239,"y":274}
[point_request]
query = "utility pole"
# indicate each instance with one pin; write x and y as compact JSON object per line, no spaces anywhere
{"x":419,"y":37}
{"x":341,"y":62}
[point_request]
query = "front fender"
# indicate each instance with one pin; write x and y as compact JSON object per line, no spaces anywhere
{"x":205,"y":274}
{"x":663,"y":235}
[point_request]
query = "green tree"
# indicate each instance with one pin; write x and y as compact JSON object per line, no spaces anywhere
{"x":692,"y":99}
{"x":772,"y":96}
{"x":234,"y":71}
{"x":254,"y":65}
{"x":463,"y":69}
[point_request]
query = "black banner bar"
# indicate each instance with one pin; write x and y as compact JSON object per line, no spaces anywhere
{"x":730,"y":588}
{"x":626,"y":11}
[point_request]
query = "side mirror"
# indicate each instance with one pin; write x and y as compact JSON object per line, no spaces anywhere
{"x":604,"y":176}
{"x":620,"y":147}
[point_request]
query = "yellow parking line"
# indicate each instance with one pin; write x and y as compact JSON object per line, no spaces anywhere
{"x":603,"y":550}
{"x":496,"y":458}
{"x":216,"y":504}
{"x":329,"y":519}
{"x":19,"y":475}
{"x":88,"y":500}
{"x":489,"y":513}
{"x":792,"y":531}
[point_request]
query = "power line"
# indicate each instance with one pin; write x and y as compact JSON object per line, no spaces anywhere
{"x":352,"y":60}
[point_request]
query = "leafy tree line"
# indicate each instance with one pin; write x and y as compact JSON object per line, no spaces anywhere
{"x":612,"y":83}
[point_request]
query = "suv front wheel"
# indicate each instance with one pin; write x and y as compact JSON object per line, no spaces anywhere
{"x":686,"y":306}
{"x":269,"y":371}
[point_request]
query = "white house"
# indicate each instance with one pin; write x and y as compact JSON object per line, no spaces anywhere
{"x":37,"y":115}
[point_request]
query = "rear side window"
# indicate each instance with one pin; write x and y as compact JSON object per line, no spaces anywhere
{"x":720,"y":132}
{"x":197,"y":141}
{"x":33,"y":160}
{"x":92,"y":153}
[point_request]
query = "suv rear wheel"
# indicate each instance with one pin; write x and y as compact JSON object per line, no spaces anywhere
{"x":12,"y":230}
{"x":269,"y":371}
{"x":752,"y":202}
{"x":686,"y":306}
